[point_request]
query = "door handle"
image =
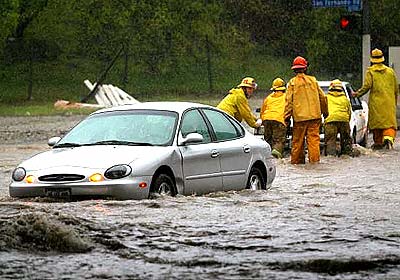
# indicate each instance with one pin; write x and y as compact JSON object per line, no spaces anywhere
{"x":214,"y":153}
{"x":246,"y":149}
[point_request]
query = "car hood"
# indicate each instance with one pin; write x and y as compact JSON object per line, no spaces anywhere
{"x":91,"y":156}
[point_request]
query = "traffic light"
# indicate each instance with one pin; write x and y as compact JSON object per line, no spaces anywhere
{"x":349,"y":22}
{"x":344,"y":22}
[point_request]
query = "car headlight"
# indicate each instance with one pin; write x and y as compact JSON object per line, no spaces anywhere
{"x":18,"y":174}
{"x":118,"y":171}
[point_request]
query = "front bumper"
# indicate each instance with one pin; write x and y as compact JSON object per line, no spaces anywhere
{"x":127,"y":188}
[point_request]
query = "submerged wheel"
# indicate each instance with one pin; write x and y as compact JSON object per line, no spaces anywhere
{"x":163,"y":185}
{"x":354,"y":136}
{"x":364,"y":140}
{"x":256,"y":180}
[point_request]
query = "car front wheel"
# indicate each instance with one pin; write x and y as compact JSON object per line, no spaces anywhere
{"x":163,"y":185}
{"x":256,"y":180}
{"x":364,"y":140}
{"x":353,"y":136}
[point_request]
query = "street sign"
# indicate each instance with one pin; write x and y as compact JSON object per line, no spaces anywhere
{"x":350,"y":5}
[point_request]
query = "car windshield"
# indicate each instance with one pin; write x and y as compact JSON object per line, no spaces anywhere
{"x":135,"y":127}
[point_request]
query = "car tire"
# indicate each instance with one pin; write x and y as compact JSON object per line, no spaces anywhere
{"x":364,"y":141}
{"x":163,"y":185}
{"x":256,"y":180}
{"x":354,"y":138}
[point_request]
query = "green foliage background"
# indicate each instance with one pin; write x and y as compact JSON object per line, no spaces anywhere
{"x":175,"y":49}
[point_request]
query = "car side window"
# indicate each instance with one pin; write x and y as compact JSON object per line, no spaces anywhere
{"x":192,"y":121}
{"x":223,"y":128}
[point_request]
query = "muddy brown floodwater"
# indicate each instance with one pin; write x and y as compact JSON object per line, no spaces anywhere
{"x":335,"y":220}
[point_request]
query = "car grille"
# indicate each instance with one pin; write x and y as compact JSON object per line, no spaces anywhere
{"x":61,"y":177}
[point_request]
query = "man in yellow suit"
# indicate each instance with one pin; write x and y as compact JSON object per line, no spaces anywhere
{"x":272,"y":115}
{"x":381,"y":82}
{"x":236,"y":103}
{"x":338,"y":121}
{"x":305,"y":102}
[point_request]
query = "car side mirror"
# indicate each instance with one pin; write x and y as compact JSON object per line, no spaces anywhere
{"x":53,"y":140}
{"x":192,"y":138}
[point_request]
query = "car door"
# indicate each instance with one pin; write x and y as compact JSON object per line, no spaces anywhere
{"x":235,"y":153}
{"x":354,"y":101}
{"x":200,"y":161}
{"x":358,"y":123}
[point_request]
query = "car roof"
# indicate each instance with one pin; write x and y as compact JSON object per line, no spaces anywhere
{"x":327,"y":83}
{"x":175,"y":106}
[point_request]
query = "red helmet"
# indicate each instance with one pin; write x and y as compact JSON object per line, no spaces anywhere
{"x":299,"y":63}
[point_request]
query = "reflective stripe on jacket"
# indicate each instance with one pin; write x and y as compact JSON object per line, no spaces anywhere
{"x":273,"y":107}
{"x":381,"y":81}
{"x":236,"y":104}
{"x":305,"y":100}
{"x":339,"y":107}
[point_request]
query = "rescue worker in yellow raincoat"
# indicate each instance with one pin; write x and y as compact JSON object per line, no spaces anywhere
{"x":305,"y":102}
{"x":236,"y":103}
{"x":272,"y":116}
{"x":381,"y":82}
{"x":338,"y":121}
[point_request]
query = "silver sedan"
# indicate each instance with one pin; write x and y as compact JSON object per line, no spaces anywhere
{"x":138,"y":151}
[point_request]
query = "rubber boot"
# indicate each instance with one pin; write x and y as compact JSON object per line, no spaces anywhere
{"x":388,"y":142}
{"x":276,"y":153}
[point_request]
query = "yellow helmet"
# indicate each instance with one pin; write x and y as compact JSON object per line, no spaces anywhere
{"x":336,"y":85}
{"x":248,"y":82}
{"x":377,"y":56}
{"x":278,"y":84}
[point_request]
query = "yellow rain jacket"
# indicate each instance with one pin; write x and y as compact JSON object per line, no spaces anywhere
{"x":305,"y":100}
{"x":339,"y":107}
{"x":273,"y":107}
{"x":381,"y":81}
{"x":236,"y":104}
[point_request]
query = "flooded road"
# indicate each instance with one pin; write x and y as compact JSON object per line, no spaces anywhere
{"x":335,"y":220}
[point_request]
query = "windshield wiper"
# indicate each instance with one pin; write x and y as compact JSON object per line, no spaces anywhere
{"x":118,"y":142}
{"x":67,"y":145}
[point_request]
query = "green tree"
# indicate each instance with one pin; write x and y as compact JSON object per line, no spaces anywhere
{"x":19,"y":45}
{"x":281,"y":26}
{"x":8,"y":20}
{"x":158,"y":34}
{"x":331,"y":52}
{"x":385,"y":23}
